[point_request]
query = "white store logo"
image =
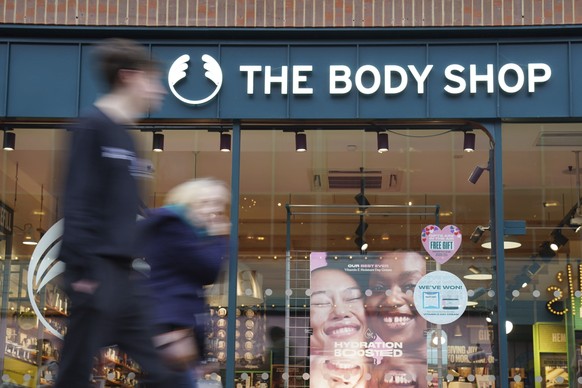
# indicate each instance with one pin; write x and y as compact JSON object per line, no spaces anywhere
{"x":44,"y":266}
{"x":178,"y":72}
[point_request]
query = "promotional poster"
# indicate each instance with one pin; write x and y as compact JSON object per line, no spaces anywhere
{"x":366,"y":330}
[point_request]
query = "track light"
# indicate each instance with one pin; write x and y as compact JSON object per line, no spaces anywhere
{"x":359,"y":240}
{"x":469,"y":142}
{"x":300,"y":142}
{"x":382,"y":139}
{"x":559,"y":241}
{"x":362,"y":200}
{"x":533,"y":269}
{"x":361,"y":244}
{"x":224,"y":142}
{"x":546,"y":252}
{"x":477,"y":233}
{"x":476,"y":174}
{"x":362,"y":227}
{"x":158,"y":142}
{"x":9,"y":141}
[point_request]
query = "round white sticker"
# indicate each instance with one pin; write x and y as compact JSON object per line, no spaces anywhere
{"x":440,"y":297}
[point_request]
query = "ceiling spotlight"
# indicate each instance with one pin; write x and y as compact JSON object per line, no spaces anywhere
{"x":158,"y":142}
{"x":469,"y":142}
{"x":361,"y":244}
{"x":300,"y":142}
{"x":546,"y":252}
{"x":9,"y":141}
{"x":359,"y":240}
{"x":362,"y":200}
{"x":478,"y":233}
{"x":533,"y":269}
{"x":224,"y":142}
{"x":559,"y":240}
{"x":476,"y":174}
{"x":382,"y":139}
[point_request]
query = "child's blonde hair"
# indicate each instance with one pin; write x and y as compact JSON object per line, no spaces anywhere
{"x":190,"y":192}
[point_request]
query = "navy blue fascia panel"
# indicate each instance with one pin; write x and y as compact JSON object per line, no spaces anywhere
{"x":43,"y":80}
{"x":313,"y":81}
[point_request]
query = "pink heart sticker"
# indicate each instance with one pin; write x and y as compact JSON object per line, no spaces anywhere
{"x":441,"y":245}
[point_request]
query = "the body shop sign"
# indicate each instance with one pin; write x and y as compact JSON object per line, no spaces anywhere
{"x":369,"y":81}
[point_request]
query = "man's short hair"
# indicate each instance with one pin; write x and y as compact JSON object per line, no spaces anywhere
{"x":113,"y":55}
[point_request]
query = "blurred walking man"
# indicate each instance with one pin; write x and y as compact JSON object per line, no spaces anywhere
{"x":101,"y":204}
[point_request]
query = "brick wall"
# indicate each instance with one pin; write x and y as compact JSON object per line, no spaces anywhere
{"x":292,"y":13}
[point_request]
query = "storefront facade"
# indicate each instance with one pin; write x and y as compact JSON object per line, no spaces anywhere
{"x":296,"y":212}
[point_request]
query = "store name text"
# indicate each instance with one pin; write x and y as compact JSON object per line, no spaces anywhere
{"x":511,"y":78}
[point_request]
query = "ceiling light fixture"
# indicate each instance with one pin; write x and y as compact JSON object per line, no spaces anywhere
{"x":300,"y":142}
{"x":158,"y":142}
{"x":476,"y":174}
{"x":546,"y":252}
{"x":382,"y":139}
{"x":225,"y":141}
{"x":29,"y":235}
{"x":9,"y":143}
{"x":508,"y":243}
{"x":359,"y":240}
{"x":559,"y":240}
{"x":469,"y":142}
{"x":362,"y":200}
{"x":458,"y":332}
{"x":478,"y":233}
{"x":550,"y":203}
{"x":478,"y":274}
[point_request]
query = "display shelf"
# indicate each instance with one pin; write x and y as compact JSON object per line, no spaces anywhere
{"x":51,"y":311}
{"x":118,"y":369}
{"x":109,"y":361}
{"x":113,"y":383}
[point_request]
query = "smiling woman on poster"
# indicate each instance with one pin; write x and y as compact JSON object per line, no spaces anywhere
{"x":390,"y":308}
{"x":337,"y":311}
